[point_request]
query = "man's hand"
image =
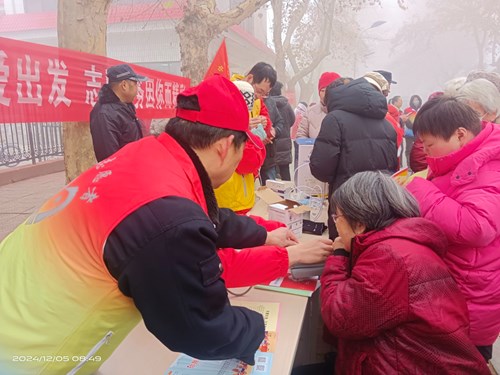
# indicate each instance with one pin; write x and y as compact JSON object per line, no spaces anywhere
{"x":254,"y":122}
{"x":271,"y":138}
{"x":281,"y":237}
{"x":262,"y":120}
{"x":311,"y":252}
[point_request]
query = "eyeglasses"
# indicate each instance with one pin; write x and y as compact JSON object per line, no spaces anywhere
{"x":262,"y":93}
{"x":259,"y":91}
{"x":335,"y":217}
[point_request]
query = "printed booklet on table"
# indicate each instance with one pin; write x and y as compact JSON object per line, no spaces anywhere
{"x":403,"y":172}
{"x":303,"y":287}
{"x":186,"y":365}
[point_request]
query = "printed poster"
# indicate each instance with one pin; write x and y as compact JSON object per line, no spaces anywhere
{"x":186,"y":365}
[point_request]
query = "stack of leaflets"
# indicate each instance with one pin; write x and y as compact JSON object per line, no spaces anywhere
{"x":186,"y":365}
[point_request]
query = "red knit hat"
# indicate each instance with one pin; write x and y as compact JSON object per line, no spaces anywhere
{"x":327,"y":78}
{"x":221,"y":105}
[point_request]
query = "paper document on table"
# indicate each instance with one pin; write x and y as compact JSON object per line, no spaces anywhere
{"x":186,"y":365}
{"x":304,"y":287}
{"x":403,"y":172}
{"x":269,"y":310}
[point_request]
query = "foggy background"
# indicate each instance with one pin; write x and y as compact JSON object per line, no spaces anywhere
{"x":426,"y":44}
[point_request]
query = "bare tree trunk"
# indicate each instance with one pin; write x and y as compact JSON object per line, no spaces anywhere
{"x":306,"y":90}
{"x":81,"y":26}
{"x":200,"y":25}
{"x":480,"y":43}
{"x":322,"y":51}
{"x":280,"y":64}
{"x":194,"y":39}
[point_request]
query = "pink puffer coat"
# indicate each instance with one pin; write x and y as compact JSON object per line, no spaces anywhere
{"x":462,"y":195}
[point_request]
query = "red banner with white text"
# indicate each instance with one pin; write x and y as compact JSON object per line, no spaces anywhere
{"x":48,"y":84}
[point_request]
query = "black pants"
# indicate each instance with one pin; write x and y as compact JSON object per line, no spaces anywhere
{"x":486,"y":351}
{"x":284,"y":172}
{"x":267,"y":174}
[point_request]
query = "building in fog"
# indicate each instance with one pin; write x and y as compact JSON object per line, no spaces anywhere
{"x":141,"y":32}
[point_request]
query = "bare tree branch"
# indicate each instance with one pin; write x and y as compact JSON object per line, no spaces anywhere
{"x":304,"y":72}
{"x":237,"y":15}
{"x":321,"y":52}
{"x":294,"y":23}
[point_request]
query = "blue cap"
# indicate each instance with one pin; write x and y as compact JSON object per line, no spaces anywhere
{"x":122,"y":72}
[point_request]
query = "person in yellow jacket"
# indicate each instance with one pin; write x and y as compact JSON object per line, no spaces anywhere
{"x":238,"y":193}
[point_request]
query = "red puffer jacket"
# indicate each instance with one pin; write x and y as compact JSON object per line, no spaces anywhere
{"x":398,"y":309}
{"x":393,"y":117}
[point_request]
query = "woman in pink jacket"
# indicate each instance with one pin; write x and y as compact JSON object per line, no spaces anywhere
{"x":462,"y":195}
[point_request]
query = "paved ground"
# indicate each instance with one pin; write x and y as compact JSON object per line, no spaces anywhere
{"x":20,"y":199}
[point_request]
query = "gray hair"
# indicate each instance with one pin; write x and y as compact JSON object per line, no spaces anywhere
{"x":490,"y":76}
{"x":482,"y":92}
{"x":452,"y":86}
{"x":373,"y":199}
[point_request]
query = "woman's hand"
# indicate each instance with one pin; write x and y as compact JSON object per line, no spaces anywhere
{"x":339,"y":244}
{"x":310,"y":252}
{"x":281,"y":237}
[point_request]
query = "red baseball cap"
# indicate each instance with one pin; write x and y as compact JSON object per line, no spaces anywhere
{"x":221,"y":105}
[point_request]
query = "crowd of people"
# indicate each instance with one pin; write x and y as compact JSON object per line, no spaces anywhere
{"x":160,"y":227}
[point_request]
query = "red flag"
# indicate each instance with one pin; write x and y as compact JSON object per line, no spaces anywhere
{"x":220,"y":64}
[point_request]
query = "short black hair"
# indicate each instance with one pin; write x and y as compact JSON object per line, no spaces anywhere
{"x":276,"y":90}
{"x":262,"y":71}
{"x":442,"y":116}
{"x":197,"y":135}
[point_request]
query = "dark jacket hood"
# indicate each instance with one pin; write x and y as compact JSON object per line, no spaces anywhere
{"x":418,"y":230}
{"x":358,"y":97}
{"x":280,"y":101}
{"x":413,"y":105}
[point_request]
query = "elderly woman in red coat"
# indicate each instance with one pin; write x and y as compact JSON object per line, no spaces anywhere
{"x":386,"y":293}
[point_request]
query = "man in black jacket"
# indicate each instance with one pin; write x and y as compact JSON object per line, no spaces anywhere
{"x":113,"y":122}
{"x":268,"y":170}
{"x":283,"y":142}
